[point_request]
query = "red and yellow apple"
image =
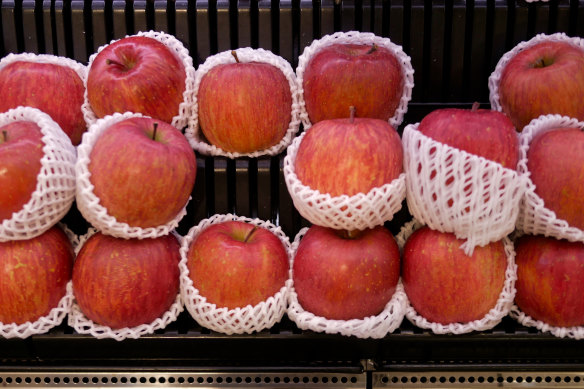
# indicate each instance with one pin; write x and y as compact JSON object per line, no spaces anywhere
{"x":123,"y":283}
{"x":343,"y":275}
{"x":244,"y":106}
{"x":445,"y":285}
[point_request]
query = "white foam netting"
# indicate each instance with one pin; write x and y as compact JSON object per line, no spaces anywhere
{"x":534,"y":218}
{"x":241,"y":320}
{"x":89,"y":204}
{"x":375,"y":327}
{"x":451,"y":190}
{"x":357,"y":37}
{"x":560,"y":332}
{"x":55,"y":188}
{"x":244,"y":54}
{"x":357,"y":212}
{"x":495,"y":77}
{"x":83,"y":325}
{"x":55,"y":316}
{"x":491,"y":319}
{"x":181,"y":52}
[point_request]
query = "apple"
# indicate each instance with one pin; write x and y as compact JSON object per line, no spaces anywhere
{"x":349,"y":156}
{"x":483,"y":132}
{"x":54,"y":89}
{"x":123,"y":283}
{"x":443,"y":284}
{"x":244,"y":106}
{"x":368,"y":77}
{"x":21,"y":151}
{"x":555,"y":161}
{"x":143,"y":171}
{"x":234,"y":264}
{"x":544,"y":78}
{"x":550,"y":280}
{"x":136,"y":74}
{"x":343,"y":275}
{"x":33,"y":275}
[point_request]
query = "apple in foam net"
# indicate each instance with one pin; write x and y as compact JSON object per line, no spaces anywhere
{"x":555,"y":161}
{"x":244,"y":106}
{"x":343,"y":275}
{"x":55,"y":89}
{"x":546,"y":78}
{"x":550,"y":280}
{"x":234,"y":264}
{"x":21,"y":151}
{"x":364,"y":153}
{"x":33,"y":275}
{"x":143,"y":171}
{"x":368,"y":77}
{"x":136,"y":74}
{"x":445,"y":285}
{"x":126,"y":282}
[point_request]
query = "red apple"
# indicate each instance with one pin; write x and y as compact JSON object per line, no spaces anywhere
{"x":244,"y":106}
{"x":234,"y":264}
{"x":445,"y":285}
{"x":33,"y":275}
{"x":545,"y":78}
{"x":55,"y":89}
{"x":21,"y":151}
{"x":126,"y":282}
{"x":342,"y":275}
{"x":555,"y":161}
{"x":483,"y":132}
{"x":143,"y":171}
{"x":363,"y":153}
{"x":550,"y":280}
{"x":136,"y":74}
{"x":368,"y":77}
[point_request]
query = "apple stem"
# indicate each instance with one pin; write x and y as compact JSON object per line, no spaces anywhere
{"x":4,"y":136}
{"x":250,"y":233}
{"x":349,"y":234}
{"x":109,"y":61}
{"x":372,"y":49}
{"x":155,"y":125}
{"x":352,"y":111}
{"x":475,"y":106}
{"x":234,"y":54}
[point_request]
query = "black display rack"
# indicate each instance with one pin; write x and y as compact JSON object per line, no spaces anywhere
{"x":454,"y":46}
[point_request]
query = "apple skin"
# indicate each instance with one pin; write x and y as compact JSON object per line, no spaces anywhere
{"x":54,"y":89}
{"x":244,"y":106}
{"x":136,"y":74}
{"x":141,"y":181}
{"x":368,"y":77}
{"x":555,"y":161}
{"x":123,"y":283}
{"x":364,"y":154}
{"x":486,"y":133}
{"x":550,"y":276}
{"x":21,"y":151}
{"x":546,"y":78}
{"x":443,"y":284}
{"x":232,"y":272}
{"x":341,"y":275}
{"x":33,"y":275}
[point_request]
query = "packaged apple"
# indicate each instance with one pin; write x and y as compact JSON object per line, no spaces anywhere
{"x":235,"y":274}
{"x":35,"y":282}
{"x":358,"y":69}
{"x":461,"y":173}
{"x":346,"y":174}
{"x":37,"y":161}
{"x":550,"y":276}
{"x":551,"y":148}
{"x":346,"y":282}
{"x":245,"y":104}
{"x":150,"y":73}
{"x":541,"y":76}
{"x":135,"y":176}
{"x":125,"y":288}
{"x":53,"y":84}
{"x":449,"y":291}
